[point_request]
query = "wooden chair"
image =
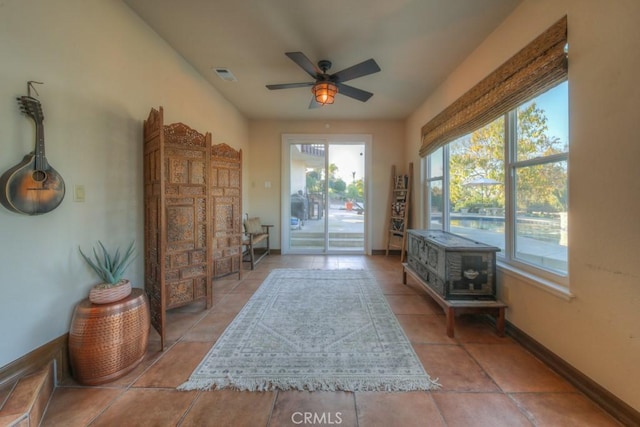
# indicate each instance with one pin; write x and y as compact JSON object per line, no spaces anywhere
{"x":255,"y":241}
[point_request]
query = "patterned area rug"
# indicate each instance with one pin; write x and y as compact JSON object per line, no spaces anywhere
{"x":313,"y":330}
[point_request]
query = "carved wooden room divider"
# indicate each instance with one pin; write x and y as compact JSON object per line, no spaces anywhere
{"x":178,"y":217}
{"x":226,"y":199}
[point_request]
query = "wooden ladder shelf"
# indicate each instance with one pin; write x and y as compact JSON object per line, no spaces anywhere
{"x":400,"y":201}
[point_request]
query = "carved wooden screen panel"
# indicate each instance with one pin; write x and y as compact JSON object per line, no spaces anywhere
{"x":226,"y":199}
{"x":153,"y":218}
{"x":177,"y":218}
{"x":188,"y":218}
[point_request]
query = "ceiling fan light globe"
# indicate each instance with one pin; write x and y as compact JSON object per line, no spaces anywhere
{"x":324,"y":92}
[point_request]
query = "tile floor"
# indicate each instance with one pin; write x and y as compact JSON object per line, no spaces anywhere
{"x":486,"y":380}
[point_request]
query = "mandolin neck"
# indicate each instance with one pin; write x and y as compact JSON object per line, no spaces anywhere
{"x":41,"y":161}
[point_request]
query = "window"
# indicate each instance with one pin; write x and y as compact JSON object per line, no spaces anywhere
{"x":435,"y":180}
{"x":476,"y":190}
{"x":505,"y":184}
{"x":539,"y":175}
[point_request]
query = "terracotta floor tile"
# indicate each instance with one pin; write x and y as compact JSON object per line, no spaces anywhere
{"x":320,"y":408}
{"x":475,"y":329}
{"x":202,"y":334}
{"x":411,"y":281}
{"x":271,"y":263}
{"x":175,"y":366}
{"x":479,"y":410}
{"x":178,"y":323}
{"x":224,"y":286}
{"x":454,"y":368}
{"x":261,"y":273}
{"x":232,"y":303}
{"x":299,"y":264}
{"x":329,"y":263}
{"x":410,"y":304}
{"x":562,"y":410}
{"x":230,"y":408}
{"x":376,"y":409}
{"x":395,"y":288}
{"x":386,"y":275}
{"x":351,"y":265}
{"x":256,"y":274}
{"x":77,"y":406}
{"x":146,"y":407}
{"x":195,"y":308}
{"x":516,"y":370}
{"x":297,"y":259}
{"x":210,"y":327}
{"x":247,"y":286}
{"x":217,"y":297}
{"x":425,"y":328}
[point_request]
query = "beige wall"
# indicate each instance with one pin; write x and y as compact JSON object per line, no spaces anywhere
{"x":265,"y":164}
{"x":103,"y":70}
{"x":598,"y":331}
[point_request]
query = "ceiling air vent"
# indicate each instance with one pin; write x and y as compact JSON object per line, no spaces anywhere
{"x":225,"y":74}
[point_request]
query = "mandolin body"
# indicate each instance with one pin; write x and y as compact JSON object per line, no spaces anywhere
{"x":27,"y":190}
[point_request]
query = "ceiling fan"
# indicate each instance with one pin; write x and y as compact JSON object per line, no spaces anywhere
{"x":326,"y":86}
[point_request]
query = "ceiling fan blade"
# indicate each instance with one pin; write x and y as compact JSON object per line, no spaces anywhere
{"x":352,"y":92}
{"x":314,"y":103}
{"x":304,"y":63}
{"x":290,"y":85}
{"x":362,"y":69}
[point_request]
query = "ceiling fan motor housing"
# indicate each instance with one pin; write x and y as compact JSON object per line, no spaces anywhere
{"x":324,"y":65}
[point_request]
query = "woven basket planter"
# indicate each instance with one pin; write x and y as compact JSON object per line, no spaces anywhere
{"x":100,"y":294}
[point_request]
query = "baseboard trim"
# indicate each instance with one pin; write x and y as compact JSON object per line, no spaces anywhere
{"x":608,"y":401}
{"x":56,"y":349}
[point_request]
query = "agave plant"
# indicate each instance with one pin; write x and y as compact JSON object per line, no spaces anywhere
{"x":110,"y":268}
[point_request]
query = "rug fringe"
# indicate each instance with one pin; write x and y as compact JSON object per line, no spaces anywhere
{"x":310,"y":384}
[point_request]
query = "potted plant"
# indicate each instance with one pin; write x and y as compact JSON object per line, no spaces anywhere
{"x":110,"y":268}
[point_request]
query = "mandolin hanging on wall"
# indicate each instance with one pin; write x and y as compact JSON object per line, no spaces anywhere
{"x":33,"y":186}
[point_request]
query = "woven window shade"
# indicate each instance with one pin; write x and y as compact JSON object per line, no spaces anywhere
{"x":538,"y":66}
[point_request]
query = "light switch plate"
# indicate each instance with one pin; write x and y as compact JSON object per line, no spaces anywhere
{"x":78,"y":193}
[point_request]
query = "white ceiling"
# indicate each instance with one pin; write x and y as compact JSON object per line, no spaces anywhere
{"x":416,"y":43}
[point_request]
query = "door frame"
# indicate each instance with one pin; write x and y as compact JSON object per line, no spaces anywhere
{"x":346,"y":139}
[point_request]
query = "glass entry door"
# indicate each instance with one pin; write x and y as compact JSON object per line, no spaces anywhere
{"x":324,"y":203}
